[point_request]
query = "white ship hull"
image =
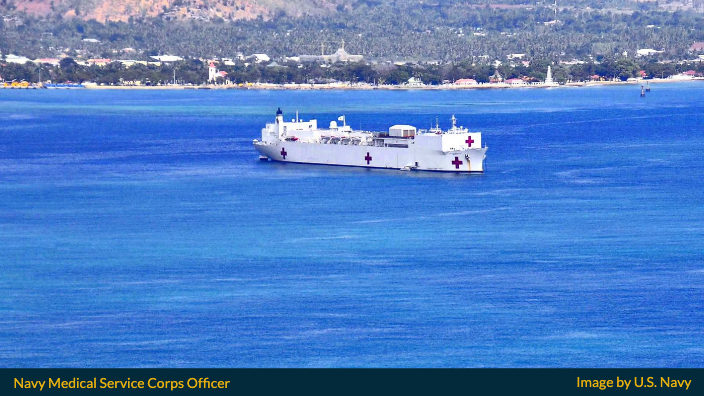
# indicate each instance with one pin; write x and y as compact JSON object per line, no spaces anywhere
{"x":402,"y":147}
{"x":469,"y":160}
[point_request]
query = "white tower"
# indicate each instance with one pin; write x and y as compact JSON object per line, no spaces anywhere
{"x":548,"y":78}
{"x":555,"y":19}
{"x":212,"y":71}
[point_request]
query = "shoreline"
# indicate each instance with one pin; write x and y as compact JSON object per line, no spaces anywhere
{"x":365,"y":87}
{"x":351,"y":87}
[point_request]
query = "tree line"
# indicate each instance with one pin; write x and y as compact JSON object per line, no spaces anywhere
{"x":194,"y":71}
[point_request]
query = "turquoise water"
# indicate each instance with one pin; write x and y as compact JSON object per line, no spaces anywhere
{"x":139,"y":229}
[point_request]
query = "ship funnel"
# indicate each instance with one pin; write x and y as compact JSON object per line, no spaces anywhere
{"x":279,"y":112}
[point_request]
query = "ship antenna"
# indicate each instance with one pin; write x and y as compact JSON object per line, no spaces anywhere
{"x":437,"y":123}
{"x":454,"y":121}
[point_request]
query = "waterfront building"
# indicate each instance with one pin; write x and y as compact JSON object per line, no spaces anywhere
{"x":466,"y":82}
{"x":515,"y":82}
{"x":214,"y":73}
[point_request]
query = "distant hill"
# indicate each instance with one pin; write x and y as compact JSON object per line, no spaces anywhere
{"x":234,"y":10}
{"x":380,"y":30}
{"x":123,"y":10}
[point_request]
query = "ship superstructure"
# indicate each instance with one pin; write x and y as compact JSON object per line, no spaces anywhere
{"x":403,"y":147}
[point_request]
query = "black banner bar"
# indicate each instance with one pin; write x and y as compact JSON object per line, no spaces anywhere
{"x":359,"y":381}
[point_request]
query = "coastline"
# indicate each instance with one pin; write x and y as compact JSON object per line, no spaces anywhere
{"x":366,"y":87}
{"x":369,"y":87}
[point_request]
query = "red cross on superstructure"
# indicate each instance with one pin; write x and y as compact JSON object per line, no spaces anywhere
{"x":283,"y":152}
{"x":469,"y":141}
{"x":368,"y":158}
{"x":457,"y":163}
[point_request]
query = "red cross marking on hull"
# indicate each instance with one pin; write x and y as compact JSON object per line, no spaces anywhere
{"x":469,"y":141}
{"x":457,"y":163}
{"x":283,"y":152}
{"x":368,"y":158}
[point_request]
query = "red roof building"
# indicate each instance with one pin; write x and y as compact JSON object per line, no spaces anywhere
{"x":697,"y":47}
{"x":98,"y":62}
{"x":466,"y":81}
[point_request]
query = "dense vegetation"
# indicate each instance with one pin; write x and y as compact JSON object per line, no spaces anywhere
{"x":448,"y":30}
{"x":195,"y":72}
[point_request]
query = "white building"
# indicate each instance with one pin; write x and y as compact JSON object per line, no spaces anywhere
{"x":167,"y":58}
{"x":132,"y":62}
{"x":647,"y":52}
{"x":516,"y":82}
{"x":688,"y":75}
{"x":20,"y":60}
{"x":466,"y":82}
{"x":214,"y":73}
{"x":415,"y":82}
{"x":339,"y":56}
{"x":259,"y":58}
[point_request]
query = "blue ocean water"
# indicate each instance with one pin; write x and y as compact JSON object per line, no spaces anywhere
{"x":139,"y":229}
